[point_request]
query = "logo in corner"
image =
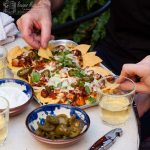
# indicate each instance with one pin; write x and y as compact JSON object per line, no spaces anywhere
{"x":9,"y":7}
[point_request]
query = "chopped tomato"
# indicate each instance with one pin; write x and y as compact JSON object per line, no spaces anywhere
{"x":52,"y":95}
{"x":15,"y":62}
{"x":21,"y":62}
{"x":80,"y":101}
{"x":39,"y":65}
{"x":44,"y":93}
{"x":70,"y":96}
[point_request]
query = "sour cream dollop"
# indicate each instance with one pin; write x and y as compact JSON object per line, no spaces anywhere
{"x":14,"y":95}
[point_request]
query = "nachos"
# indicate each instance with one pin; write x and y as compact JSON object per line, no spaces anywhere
{"x":59,"y":74}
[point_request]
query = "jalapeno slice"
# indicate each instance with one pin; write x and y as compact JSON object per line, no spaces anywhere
{"x":60,"y":127}
{"x":24,"y":72}
{"x":46,"y":73}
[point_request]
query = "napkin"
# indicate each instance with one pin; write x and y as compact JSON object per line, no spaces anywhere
{"x":8,"y":29}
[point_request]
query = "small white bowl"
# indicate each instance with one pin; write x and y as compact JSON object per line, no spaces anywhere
{"x":23,"y":87}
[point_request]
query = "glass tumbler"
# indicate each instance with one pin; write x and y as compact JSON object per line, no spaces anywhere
{"x":116,"y":99}
{"x":4,"y":118}
{"x":3,"y":64}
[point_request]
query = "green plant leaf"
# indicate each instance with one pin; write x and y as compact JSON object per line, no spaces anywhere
{"x":88,"y":32}
{"x":99,"y":31}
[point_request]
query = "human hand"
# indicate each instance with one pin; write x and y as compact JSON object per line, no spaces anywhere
{"x":140,"y":70}
{"x":35,"y":25}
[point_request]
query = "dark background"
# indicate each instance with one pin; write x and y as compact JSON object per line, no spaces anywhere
{"x":15,"y":8}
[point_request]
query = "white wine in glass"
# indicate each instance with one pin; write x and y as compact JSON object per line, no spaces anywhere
{"x":3,"y":65}
{"x":116,"y":103}
{"x":4,"y":118}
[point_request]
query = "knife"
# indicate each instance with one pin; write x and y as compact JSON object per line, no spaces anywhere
{"x":107,"y":140}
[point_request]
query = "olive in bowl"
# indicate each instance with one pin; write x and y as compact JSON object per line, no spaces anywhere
{"x":58,"y":124}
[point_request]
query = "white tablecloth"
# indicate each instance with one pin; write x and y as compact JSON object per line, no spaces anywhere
{"x":20,"y":139}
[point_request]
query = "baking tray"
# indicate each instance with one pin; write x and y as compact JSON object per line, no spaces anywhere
{"x":71,"y":43}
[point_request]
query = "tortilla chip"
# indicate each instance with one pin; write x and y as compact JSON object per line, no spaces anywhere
{"x":27,"y":48}
{"x":83,"y":48}
{"x":51,"y":46}
{"x":100,"y":70}
{"x":91,"y":53}
{"x":45,"y":53}
{"x":47,"y":100}
{"x":110,"y":87}
{"x":90,"y":60}
{"x":70,"y":46}
{"x":13,"y":53}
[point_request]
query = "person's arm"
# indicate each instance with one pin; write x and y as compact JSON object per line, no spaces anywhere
{"x":142,"y":101}
{"x":140,"y":70}
{"x":55,"y":4}
{"x":38,"y":19}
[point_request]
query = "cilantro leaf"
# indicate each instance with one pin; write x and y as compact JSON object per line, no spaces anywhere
{"x":59,"y":84}
{"x":35,"y":76}
{"x":65,"y":61}
{"x":67,"y":52}
{"x":87,"y":89}
{"x":81,"y":83}
{"x":91,"y":100}
{"x":76,"y":73}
